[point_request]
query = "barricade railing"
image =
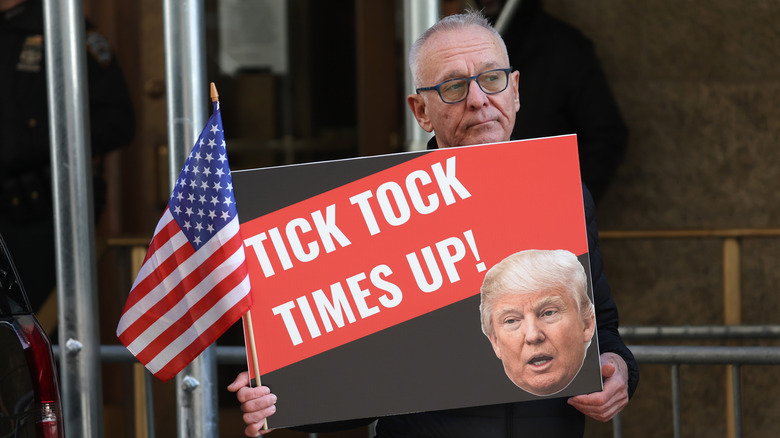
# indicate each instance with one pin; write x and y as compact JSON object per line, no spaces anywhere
{"x":674,"y":356}
{"x":732,"y":329}
{"x":731,"y":239}
{"x":734,"y":356}
{"x":703,"y":332}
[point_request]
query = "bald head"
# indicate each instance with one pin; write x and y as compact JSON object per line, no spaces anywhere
{"x":460,"y":55}
{"x":456,"y":22}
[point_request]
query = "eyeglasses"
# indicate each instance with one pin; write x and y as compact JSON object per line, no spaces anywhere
{"x":456,"y":90}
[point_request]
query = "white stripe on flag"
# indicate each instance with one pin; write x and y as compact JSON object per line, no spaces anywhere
{"x":163,"y":252}
{"x":174,"y":278}
{"x":202,"y":324}
{"x":181,"y":308}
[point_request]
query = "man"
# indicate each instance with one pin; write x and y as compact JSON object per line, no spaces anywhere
{"x":535,"y":310}
{"x":479,"y":107}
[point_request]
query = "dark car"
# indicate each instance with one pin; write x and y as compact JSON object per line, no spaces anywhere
{"x":29,"y":394}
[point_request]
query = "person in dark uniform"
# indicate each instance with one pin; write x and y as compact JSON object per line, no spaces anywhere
{"x":26,"y":217}
{"x":563,"y":90}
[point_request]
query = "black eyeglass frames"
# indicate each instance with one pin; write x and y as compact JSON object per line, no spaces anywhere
{"x":456,"y":90}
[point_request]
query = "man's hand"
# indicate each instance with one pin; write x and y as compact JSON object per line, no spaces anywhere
{"x":604,"y":405}
{"x":256,"y":403}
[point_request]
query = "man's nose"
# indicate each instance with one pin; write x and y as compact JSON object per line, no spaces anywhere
{"x":534,"y":333}
{"x":476,"y":97}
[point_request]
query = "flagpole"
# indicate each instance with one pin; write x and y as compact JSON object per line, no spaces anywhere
{"x":250,"y":331}
{"x":248,"y":316}
{"x":250,"y":340}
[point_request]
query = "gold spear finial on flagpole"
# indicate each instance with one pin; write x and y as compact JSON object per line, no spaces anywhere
{"x":214,"y":94}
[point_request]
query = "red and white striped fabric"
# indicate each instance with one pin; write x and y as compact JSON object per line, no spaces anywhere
{"x":194,"y":283}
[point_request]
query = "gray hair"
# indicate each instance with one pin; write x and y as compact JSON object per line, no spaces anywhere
{"x":535,"y":270}
{"x":451,"y":22}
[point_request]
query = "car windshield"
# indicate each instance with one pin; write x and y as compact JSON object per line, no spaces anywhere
{"x":12,"y":298}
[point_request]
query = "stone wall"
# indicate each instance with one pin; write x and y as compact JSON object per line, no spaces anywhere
{"x":698,"y":83}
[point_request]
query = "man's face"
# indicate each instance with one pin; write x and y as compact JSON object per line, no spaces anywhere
{"x":480,"y":118}
{"x":540,"y":338}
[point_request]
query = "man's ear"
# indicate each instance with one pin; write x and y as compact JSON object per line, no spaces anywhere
{"x":417,"y":105}
{"x":494,"y":343}
{"x":590,"y":327}
{"x":514,"y":81}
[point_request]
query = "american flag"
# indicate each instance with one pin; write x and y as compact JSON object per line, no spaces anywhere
{"x":193,"y":284}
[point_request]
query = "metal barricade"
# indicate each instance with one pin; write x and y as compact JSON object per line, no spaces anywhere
{"x":674,"y":356}
{"x":726,"y":355}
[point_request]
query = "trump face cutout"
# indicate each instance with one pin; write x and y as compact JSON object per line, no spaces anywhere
{"x":538,"y":318}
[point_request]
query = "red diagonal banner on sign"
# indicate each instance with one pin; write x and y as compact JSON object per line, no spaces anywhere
{"x":404,"y":241}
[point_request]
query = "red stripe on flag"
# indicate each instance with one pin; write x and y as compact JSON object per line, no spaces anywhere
{"x":196,"y":310}
{"x":149,"y":284}
{"x":165,"y":268}
{"x":164,"y":234}
{"x":175,"y":295}
{"x":196,"y":348}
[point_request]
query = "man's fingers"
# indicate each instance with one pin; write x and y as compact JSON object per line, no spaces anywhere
{"x":602,"y":406}
{"x":608,"y":370}
{"x":256,"y":412}
{"x":257,"y":404}
{"x":586,"y":400}
{"x":255,"y":398}
{"x":241,"y":381}
{"x":257,"y":429}
{"x":258,"y":416}
{"x":596,"y":411}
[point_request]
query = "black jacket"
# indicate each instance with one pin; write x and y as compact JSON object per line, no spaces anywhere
{"x":563,"y":90}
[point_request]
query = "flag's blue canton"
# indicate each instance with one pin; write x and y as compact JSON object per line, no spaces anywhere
{"x":202,"y":201}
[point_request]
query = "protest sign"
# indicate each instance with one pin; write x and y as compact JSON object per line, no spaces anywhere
{"x":366,"y":273}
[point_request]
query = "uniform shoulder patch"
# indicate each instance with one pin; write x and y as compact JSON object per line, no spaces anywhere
{"x":31,"y":56}
{"x":98,"y":48}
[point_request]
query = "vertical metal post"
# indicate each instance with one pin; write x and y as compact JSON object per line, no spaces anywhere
{"x":737,"y":403}
{"x":150,"y":433}
{"x":419,"y":15}
{"x":82,"y":399}
{"x":676,"y":404}
{"x":732,"y":315}
{"x":187,"y":101}
{"x":507,"y":12}
{"x":617,"y":426}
